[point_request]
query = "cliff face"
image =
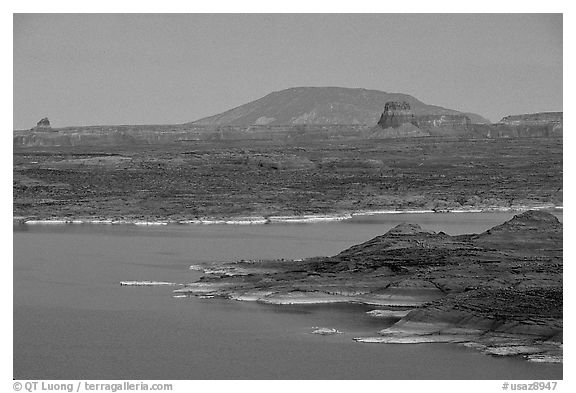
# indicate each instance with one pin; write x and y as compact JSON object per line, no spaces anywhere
{"x":170,"y":134}
{"x":542,"y":118}
{"x":547,"y":124}
{"x":397,"y":113}
{"x":534,"y":125}
{"x":444,"y":125}
{"x":405,"y":130}
{"x":398,"y":120}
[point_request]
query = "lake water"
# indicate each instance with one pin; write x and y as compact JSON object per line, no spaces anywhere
{"x":72,"y":320}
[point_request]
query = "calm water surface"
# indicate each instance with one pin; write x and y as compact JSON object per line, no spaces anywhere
{"x":72,"y":320}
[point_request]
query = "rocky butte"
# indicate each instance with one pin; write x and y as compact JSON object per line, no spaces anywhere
{"x":43,"y":125}
{"x":499,"y":291}
{"x":397,"y":120}
{"x":396,"y":114}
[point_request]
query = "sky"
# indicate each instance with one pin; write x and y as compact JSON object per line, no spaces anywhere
{"x":108,"y":69}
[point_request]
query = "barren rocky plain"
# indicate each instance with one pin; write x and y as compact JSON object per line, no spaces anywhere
{"x":191,"y":179}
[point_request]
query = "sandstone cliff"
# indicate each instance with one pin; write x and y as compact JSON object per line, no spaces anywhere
{"x":397,"y":113}
{"x":534,"y":125}
{"x":397,"y":121}
{"x":445,"y":125}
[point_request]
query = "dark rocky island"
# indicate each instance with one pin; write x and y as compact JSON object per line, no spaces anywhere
{"x":499,"y":291}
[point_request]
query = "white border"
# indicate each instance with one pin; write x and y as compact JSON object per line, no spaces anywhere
{"x":300,"y":6}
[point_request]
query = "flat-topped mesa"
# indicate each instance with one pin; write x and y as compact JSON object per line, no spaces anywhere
{"x":530,"y":125}
{"x":541,"y":118}
{"x":397,"y":113}
{"x":548,"y":124}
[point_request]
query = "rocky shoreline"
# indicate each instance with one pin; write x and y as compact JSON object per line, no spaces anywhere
{"x":499,"y":291}
{"x":259,"y":220}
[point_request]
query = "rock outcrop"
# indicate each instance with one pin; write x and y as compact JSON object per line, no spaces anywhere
{"x":43,"y":124}
{"x":397,"y":121}
{"x":396,"y":114}
{"x":499,"y":291}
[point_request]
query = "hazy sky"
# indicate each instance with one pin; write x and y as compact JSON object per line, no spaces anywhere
{"x":82,"y":69}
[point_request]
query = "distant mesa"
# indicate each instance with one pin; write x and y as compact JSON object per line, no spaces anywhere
{"x":308,"y":114}
{"x":369,"y":114}
{"x":530,"y":125}
{"x":534,"y":118}
{"x":314,"y":106}
{"x":43,"y":124}
{"x":544,"y":123}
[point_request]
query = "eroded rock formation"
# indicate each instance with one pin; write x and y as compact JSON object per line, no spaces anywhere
{"x":397,"y":113}
{"x":499,"y":291}
{"x":43,"y":124}
{"x":397,"y":121}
